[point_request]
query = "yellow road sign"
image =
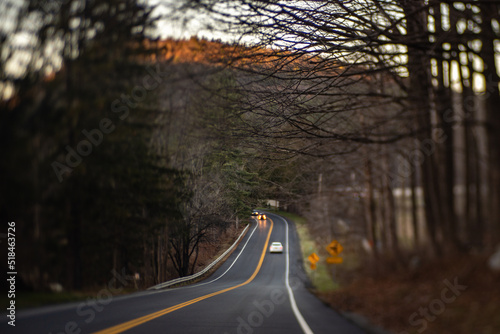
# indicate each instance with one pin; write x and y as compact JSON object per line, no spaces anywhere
{"x":313,"y":258}
{"x":334,"y":260}
{"x":334,"y":248}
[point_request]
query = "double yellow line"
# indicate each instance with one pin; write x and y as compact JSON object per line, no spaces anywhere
{"x":136,"y":322}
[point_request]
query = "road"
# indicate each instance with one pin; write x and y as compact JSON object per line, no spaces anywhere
{"x":252,"y":292}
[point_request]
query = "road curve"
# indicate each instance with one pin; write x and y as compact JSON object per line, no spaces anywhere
{"x":252,"y":292}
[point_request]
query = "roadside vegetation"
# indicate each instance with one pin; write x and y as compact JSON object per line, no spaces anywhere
{"x":403,"y":301}
{"x":451,"y":296}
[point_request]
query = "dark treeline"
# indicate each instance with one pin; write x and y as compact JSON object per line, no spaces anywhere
{"x":109,"y":162}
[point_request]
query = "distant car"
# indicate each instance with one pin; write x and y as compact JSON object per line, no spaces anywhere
{"x":276,"y":247}
{"x":255,"y":213}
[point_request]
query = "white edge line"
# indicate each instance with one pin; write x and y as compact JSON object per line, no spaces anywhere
{"x":303,"y":324}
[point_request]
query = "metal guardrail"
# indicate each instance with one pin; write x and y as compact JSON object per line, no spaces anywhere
{"x":198,"y":274}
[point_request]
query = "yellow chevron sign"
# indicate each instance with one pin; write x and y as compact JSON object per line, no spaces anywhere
{"x":313,"y":258}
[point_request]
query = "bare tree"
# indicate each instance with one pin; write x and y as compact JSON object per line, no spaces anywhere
{"x":313,"y":64}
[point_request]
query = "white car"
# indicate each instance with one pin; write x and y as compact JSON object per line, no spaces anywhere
{"x":276,"y":247}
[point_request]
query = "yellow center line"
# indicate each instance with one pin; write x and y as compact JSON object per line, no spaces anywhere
{"x":136,"y":322}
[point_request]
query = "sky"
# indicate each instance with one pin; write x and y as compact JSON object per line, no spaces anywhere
{"x":183,"y":25}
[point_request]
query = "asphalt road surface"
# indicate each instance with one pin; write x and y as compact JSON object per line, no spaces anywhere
{"x":252,"y":292}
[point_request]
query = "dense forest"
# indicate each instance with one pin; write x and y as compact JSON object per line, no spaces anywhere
{"x":113,"y":162}
{"x":377,"y":120}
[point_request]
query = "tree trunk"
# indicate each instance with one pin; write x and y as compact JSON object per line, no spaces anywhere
{"x":418,"y":100}
{"x":445,"y":157}
{"x":492,"y":102}
{"x":390,"y":210}
{"x":371,"y":214}
{"x":414,"y":209}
